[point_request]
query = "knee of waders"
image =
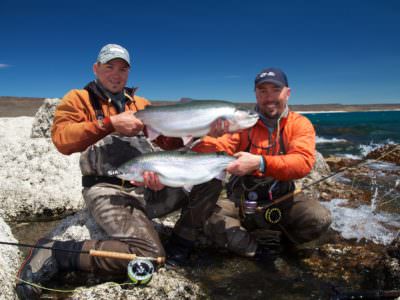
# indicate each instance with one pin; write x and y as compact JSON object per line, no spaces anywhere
{"x":315,"y":223}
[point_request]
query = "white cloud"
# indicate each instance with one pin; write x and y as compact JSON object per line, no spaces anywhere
{"x":2,"y":66}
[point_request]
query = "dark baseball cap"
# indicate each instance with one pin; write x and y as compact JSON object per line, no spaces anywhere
{"x":272,"y":75}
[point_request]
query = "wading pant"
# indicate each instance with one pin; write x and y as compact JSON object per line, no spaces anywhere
{"x":303,"y":219}
{"x":125,"y":215}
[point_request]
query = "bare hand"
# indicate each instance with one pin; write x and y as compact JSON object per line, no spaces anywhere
{"x":151,"y":181}
{"x":126,"y":123}
{"x":219,"y":127}
{"x":246,"y":163}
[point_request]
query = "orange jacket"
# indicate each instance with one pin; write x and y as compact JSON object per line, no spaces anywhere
{"x":298,"y":136}
{"x":75,"y":126}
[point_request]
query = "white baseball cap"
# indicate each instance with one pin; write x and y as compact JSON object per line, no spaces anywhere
{"x":112,"y":51}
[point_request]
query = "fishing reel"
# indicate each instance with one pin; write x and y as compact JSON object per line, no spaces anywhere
{"x":273,"y":215}
{"x":140,"y":271}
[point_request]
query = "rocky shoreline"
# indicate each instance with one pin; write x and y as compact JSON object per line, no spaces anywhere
{"x":38,"y":183}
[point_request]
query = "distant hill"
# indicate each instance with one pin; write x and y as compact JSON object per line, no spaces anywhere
{"x":19,"y":106}
{"x":342,"y":107}
{"x":26,"y":106}
{"x":317,"y":107}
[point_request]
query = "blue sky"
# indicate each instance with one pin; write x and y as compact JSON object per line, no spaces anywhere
{"x":332,"y":51}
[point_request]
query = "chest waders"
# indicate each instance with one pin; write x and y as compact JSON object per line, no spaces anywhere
{"x":257,"y":193}
{"x":139,"y":270}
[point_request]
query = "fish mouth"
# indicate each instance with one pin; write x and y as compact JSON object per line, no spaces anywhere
{"x":248,"y":115}
{"x":253,"y":114}
{"x":250,"y":122}
{"x":245,"y":119}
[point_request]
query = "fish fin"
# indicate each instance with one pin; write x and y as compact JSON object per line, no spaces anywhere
{"x":188,"y":188}
{"x":151,"y":133}
{"x":187,"y":139}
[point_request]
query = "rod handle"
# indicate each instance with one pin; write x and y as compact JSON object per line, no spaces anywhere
{"x":110,"y":254}
{"x":119,"y":255}
{"x":283,"y":198}
{"x":279,"y":200}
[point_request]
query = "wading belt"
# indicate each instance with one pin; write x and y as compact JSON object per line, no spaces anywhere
{"x":91,"y":180}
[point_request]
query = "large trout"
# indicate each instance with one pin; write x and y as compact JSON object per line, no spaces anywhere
{"x":175,"y":168}
{"x":194,"y":118}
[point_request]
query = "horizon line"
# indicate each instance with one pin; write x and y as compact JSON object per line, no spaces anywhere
{"x":240,"y":101}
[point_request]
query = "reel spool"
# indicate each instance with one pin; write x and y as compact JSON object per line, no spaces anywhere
{"x":273,"y":215}
{"x":140,"y":271}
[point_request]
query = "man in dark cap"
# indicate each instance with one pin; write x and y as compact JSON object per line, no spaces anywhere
{"x":277,"y":150}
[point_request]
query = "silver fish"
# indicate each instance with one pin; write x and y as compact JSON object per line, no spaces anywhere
{"x":193,"y":119}
{"x":175,"y":168}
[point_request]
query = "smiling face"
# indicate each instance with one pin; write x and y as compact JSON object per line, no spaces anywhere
{"x":272,"y":99}
{"x":113,"y":75}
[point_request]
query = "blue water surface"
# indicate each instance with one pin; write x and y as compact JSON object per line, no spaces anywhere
{"x":341,"y":133}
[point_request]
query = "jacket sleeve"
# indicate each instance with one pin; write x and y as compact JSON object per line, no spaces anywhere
{"x":168,"y":143}
{"x":73,"y":127}
{"x":229,"y":143}
{"x":300,"y":152}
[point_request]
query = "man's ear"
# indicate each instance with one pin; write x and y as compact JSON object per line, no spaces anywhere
{"x":288,"y":93}
{"x":95,"y":68}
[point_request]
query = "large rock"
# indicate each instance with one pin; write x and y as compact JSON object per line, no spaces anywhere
{"x":165,"y":284}
{"x":337,"y":163}
{"x":359,"y":266}
{"x":35,"y":179}
{"x":389,"y":153}
{"x":41,"y":126}
{"x":9,"y":262}
{"x":320,"y":170}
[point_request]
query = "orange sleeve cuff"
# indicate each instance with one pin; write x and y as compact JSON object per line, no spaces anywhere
{"x":106,"y":124}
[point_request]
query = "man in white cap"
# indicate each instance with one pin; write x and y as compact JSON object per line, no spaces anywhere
{"x":98,"y":121}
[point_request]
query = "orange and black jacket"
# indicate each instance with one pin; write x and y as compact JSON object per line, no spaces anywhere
{"x":76,"y":127}
{"x":297,"y":137}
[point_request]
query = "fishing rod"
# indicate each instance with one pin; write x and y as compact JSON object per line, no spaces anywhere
{"x":140,"y":268}
{"x":273,"y":216}
{"x":92,"y":252}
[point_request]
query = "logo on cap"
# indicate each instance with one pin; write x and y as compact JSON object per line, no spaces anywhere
{"x":262,"y":75}
{"x":272,"y":75}
{"x":116,"y":50}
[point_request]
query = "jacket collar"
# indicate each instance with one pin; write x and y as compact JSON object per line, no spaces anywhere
{"x":94,"y":89}
{"x":272,"y":124}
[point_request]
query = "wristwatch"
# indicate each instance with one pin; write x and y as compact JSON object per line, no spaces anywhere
{"x":105,"y":123}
